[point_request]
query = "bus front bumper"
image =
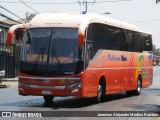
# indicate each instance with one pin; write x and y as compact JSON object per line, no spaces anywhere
{"x":69,"y":90}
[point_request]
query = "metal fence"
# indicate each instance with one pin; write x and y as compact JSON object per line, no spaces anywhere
{"x":9,"y":59}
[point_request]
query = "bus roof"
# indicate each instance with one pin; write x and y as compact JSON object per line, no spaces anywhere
{"x":74,"y":20}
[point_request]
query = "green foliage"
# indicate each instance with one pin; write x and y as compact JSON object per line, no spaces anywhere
{"x":156,"y":52}
{"x":28,"y":17}
{"x":157,"y":1}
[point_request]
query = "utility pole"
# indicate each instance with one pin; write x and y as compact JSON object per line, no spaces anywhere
{"x":86,"y":6}
{"x":86,"y":3}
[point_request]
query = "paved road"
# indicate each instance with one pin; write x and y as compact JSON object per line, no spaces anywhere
{"x":149,"y":100}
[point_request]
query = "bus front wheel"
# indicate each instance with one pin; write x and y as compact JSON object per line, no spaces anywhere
{"x":48,"y":98}
{"x":98,"y":98}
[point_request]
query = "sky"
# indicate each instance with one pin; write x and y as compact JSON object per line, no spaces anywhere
{"x":145,"y":14}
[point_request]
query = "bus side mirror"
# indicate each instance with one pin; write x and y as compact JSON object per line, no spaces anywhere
{"x":80,"y":40}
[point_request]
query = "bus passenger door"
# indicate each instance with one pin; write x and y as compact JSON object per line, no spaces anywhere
{"x":89,"y":53}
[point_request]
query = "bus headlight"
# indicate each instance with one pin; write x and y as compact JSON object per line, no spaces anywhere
{"x":75,"y":85}
{"x":20,"y":83}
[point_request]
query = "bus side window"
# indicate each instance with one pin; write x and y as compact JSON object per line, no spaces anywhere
{"x":89,"y":44}
{"x":110,"y":44}
{"x":89,"y":53}
{"x":137,"y":42}
{"x":116,"y":38}
{"x":146,"y":42}
{"x":129,"y":40}
{"x":96,"y":37}
{"x":120,"y":40}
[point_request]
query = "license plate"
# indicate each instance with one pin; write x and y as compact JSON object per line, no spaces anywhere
{"x":46,"y":92}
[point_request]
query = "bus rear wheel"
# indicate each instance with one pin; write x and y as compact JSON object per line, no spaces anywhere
{"x":48,"y":98}
{"x":139,"y":86}
{"x":138,"y":89}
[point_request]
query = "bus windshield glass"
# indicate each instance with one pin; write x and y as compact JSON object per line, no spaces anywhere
{"x":51,"y":51}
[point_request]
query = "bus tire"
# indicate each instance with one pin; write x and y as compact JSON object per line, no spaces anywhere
{"x":98,"y":98}
{"x":48,"y":98}
{"x":138,"y":89}
{"x":101,"y":90}
{"x":129,"y":93}
{"x":139,"y":86}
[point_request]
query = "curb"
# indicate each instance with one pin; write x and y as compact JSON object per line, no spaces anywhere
{"x":3,"y":86}
{"x":9,"y":79}
{"x":8,"y":82}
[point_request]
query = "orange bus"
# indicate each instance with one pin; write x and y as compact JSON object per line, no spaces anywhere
{"x":88,"y":55}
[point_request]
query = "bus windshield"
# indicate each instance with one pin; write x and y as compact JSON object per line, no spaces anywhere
{"x":51,"y":51}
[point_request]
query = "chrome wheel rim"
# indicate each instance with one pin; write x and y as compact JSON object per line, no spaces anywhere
{"x":139,"y":86}
{"x":99,"y":92}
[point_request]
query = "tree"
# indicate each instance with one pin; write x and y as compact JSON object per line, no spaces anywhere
{"x":156,"y":52}
{"x":157,"y":1}
{"x":28,"y":17}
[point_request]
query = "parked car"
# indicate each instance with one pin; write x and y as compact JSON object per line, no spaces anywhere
{"x":156,"y":60}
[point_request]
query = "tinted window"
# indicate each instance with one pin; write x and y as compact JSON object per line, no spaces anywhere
{"x":146,"y":42}
{"x":51,"y":51}
{"x":114,"y":38}
{"x":96,"y":34}
{"x":118,"y":40}
{"x":130,"y":40}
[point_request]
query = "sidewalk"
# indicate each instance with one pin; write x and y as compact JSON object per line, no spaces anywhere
{"x":9,"y":82}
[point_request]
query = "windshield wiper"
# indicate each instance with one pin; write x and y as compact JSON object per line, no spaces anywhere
{"x":54,"y":52}
{"x":40,"y":53}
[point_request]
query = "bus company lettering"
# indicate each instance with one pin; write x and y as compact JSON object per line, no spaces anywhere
{"x":113,"y":58}
{"x":109,"y":57}
{"x":116,"y":58}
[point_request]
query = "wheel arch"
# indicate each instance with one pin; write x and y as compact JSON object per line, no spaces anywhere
{"x":140,"y":79}
{"x":102,"y":81}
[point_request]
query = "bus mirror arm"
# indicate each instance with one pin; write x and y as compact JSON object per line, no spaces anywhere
{"x":80,"y":39}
